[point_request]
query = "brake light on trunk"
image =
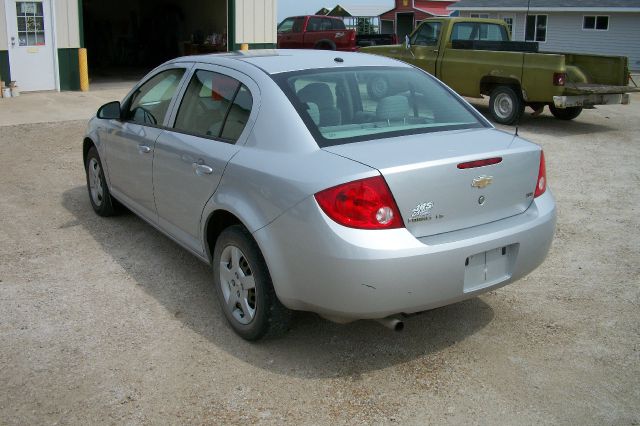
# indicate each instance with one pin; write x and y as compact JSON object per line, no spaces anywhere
{"x":361,"y":204}
{"x":541,"y":183}
{"x":480,"y":163}
{"x":559,"y":78}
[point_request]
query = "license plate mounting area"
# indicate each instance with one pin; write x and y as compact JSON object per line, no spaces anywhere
{"x":489,"y":268}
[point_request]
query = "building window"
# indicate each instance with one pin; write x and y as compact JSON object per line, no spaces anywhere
{"x":536,"y":28}
{"x":480,"y":15}
{"x":509,"y":22}
{"x":600,"y":23}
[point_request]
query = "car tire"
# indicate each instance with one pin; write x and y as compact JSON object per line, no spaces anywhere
{"x":565,"y":113}
{"x":506,"y":105}
{"x":244,"y":288}
{"x":99,"y":196}
{"x":325,"y":45}
{"x":378,"y":87}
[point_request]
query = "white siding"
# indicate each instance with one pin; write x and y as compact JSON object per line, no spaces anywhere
{"x":67,"y":23}
{"x":256,"y":21}
{"x":565,"y":34}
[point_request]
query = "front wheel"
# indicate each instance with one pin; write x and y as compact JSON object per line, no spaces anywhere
{"x":506,"y":105}
{"x":565,"y":113}
{"x":101,"y":201}
{"x":244,"y":287}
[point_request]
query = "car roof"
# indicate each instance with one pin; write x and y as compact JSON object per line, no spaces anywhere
{"x":276,"y":61}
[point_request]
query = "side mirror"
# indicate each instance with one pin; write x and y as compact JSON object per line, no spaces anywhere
{"x":110,"y":111}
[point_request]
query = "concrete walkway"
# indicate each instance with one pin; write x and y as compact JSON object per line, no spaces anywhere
{"x":42,"y":107}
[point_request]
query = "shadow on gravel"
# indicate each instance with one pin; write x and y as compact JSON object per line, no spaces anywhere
{"x":314,"y":347}
{"x":547,"y":124}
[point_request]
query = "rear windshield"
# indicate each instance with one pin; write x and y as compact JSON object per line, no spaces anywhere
{"x":356,"y":104}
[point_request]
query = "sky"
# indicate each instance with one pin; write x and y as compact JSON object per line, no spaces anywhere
{"x":307,"y":7}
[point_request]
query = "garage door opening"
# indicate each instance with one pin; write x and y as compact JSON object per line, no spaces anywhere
{"x":127,"y":38}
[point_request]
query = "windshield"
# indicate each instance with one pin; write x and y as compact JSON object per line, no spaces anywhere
{"x":356,"y":104}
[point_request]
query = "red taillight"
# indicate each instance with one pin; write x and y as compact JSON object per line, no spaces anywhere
{"x":541,"y":183}
{"x":353,"y":36}
{"x":479,"y":163}
{"x":362,"y":204}
{"x":559,"y":78}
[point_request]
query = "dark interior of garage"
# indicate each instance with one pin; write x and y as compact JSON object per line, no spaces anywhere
{"x":127,"y":38}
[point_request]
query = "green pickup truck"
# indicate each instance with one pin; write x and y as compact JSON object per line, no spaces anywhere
{"x":476,"y":58}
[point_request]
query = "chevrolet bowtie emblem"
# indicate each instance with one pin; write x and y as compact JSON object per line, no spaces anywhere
{"x":482,"y":182}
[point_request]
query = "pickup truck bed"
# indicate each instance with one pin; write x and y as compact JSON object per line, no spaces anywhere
{"x":476,"y":58}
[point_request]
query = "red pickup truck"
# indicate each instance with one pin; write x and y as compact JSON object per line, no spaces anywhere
{"x":316,"y":32}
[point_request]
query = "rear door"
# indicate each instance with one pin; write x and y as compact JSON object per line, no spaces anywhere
{"x":130,"y":142}
{"x":209,"y":125}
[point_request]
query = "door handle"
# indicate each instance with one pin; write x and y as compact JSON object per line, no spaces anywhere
{"x":143,"y":149}
{"x":202,"y":169}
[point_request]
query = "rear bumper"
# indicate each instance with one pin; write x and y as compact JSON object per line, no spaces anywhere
{"x":591,"y":100}
{"x":317,"y":265}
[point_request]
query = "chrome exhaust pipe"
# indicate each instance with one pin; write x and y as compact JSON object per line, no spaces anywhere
{"x":392,"y":323}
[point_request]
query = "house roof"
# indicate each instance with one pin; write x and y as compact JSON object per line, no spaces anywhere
{"x":549,"y":5}
{"x":363,"y":9}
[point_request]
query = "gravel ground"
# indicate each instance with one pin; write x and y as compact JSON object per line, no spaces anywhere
{"x":108,"y":321}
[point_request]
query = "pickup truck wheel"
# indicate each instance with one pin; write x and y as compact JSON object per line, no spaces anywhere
{"x":325,"y":45}
{"x":244,"y":288}
{"x":506,"y":105}
{"x":377,"y":87}
{"x":565,"y":113}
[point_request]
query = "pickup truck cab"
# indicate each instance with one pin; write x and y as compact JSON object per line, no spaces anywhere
{"x":476,"y":58}
{"x":316,"y":32}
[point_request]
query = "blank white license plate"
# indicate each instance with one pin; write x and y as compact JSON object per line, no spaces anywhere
{"x":489,"y":268}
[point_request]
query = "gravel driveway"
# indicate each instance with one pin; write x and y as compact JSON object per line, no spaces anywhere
{"x":108,"y":321}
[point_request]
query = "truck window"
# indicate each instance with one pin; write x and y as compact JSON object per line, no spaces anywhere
{"x":314,"y":24}
{"x":479,"y":31}
{"x":297,"y":25}
{"x":326,"y":24}
{"x":338,"y":24}
{"x":428,"y":34}
{"x":286,"y":26}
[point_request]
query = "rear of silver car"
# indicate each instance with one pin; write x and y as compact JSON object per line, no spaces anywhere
{"x":471,"y":205}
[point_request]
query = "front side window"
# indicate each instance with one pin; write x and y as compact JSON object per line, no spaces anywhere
{"x":536,"y":28}
{"x":356,"y":104}
{"x":149,"y":103}
{"x":286,"y":26}
{"x":427,"y":35}
{"x":214,"y":106}
{"x":600,"y":23}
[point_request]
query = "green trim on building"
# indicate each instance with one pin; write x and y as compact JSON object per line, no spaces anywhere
{"x":81,"y":22}
{"x":5,"y":69}
{"x":231,"y":27}
{"x":253,"y":46}
{"x":69,"y":69}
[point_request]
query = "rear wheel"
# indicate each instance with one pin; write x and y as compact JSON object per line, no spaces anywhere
{"x":506,"y":105}
{"x":565,"y":113}
{"x":244,"y":287}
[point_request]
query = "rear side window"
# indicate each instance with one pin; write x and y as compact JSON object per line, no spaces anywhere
{"x":326,"y":24}
{"x":149,"y":104}
{"x":314,"y":24}
{"x":357,"y":104}
{"x":338,"y":24}
{"x":214,"y":107}
{"x":479,"y":31}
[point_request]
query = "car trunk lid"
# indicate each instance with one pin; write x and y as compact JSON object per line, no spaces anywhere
{"x":434,"y":195}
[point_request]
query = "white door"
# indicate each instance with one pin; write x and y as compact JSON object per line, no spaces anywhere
{"x":31,"y":44}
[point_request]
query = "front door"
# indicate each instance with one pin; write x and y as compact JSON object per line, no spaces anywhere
{"x":30,"y":37}
{"x":190,"y":159}
{"x":424,"y":46}
{"x":131,"y":141}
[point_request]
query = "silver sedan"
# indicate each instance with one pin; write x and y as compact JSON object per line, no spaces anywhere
{"x":307,"y":187}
